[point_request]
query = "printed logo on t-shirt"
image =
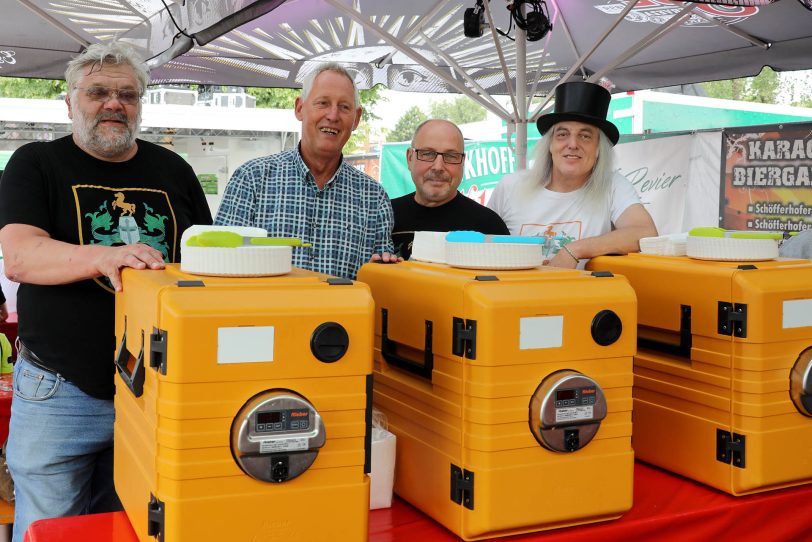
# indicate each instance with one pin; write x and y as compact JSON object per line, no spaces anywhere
{"x":555,"y":234}
{"x":124,"y":216}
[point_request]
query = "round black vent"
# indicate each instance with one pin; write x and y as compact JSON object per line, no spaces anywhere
{"x":606,"y":327}
{"x":329,"y":342}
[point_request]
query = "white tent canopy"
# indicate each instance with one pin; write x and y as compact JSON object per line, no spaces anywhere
{"x":418,"y":45}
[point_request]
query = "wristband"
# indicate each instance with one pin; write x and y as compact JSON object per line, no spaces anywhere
{"x":568,"y":251}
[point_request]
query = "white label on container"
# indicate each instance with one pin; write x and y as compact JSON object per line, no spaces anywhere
{"x":245,"y":344}
{"x":571,"y":414}
{"x":797,"y":313}
{"x":282,"y":445}
{"x":541,"y":332}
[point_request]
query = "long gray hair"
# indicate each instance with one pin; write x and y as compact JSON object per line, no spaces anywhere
{"x":113,"y":52}
{"x":307,"y":82}
{"x":597,"y":186}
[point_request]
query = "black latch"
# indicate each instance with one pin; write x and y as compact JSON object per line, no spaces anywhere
{"x":732,"y":319}
{"x":190,"y":283}
{"x":157,"y":349}
{"x":730,"y":448}
{"x":155,"y":518}
{"x":602,"y":274}
{"x":463,"y":338}
{"x":462,"y":487}
{"x":338,"y":281}
{"x":486,"y":278}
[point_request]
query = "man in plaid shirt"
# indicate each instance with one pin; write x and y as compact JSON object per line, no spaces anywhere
{"x":310,"y":192}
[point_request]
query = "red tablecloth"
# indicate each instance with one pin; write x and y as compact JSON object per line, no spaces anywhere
{"x":666,"y":508}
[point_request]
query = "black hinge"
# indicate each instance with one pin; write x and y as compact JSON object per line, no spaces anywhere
{"x":730,"y":448}
{"x":732,"y":319}
{"x":157,"y":349}
{"x":155,"y":518}
{"x":338,"y":281}
{"x":462,"y":487}
{"x":463,"y":338}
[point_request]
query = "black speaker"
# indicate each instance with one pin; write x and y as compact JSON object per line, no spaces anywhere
{"x":473,"y":21}
{"x":537,"y":21}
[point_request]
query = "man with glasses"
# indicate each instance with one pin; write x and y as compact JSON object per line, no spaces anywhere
{"x":73,"y":212}
{"x":436,"y":161}
{"x":310,"y":192}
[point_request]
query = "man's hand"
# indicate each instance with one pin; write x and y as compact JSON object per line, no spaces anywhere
{"x":137,"y":256}
{"x":563,"y":259}
{"x":385,"y":258}
{"x":3,"y":313}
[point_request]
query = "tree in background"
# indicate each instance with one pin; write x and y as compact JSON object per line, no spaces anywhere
{"x":460,"y":110}
{"x":763,"y":88}
{"x":406,"y":125}
{"x":18,"y":87}
{"x":799,"y":88}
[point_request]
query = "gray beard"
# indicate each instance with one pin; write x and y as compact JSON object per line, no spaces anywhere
{"x":110,"y":146}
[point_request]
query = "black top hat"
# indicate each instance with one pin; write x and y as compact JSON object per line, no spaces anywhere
{"x":583,"y":102}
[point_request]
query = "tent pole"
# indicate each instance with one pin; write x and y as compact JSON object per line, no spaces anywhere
{"x":521,"y":93}
{"x":464,"y":74}
{"x":733,"y":30}
{"x":418,"y":28}
{"x":584,"y":57}
{"x":411,"y":53}
{"x":643,"y":43}
{"x":64,"y":29}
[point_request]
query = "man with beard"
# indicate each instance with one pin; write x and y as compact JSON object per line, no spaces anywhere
{"x":73,"y":212}
{"x":436,"y":161}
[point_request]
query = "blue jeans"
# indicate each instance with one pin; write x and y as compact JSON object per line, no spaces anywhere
{"x":60,"y":449}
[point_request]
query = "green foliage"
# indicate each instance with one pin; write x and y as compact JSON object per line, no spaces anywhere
{"x":459,"y":110}
{"x":277,"y":98}
{"x":406,"y":125}
{"x":763,"y":88}
{"x":18,"y":87}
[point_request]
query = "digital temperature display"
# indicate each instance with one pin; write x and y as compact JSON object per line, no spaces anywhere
{"x":269,"y":417}
{"x":564,"y":395}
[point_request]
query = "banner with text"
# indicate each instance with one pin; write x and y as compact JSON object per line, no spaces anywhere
{"x":766,"y":178}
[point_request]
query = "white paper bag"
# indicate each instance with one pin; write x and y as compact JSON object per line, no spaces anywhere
{"x":382,"y":477}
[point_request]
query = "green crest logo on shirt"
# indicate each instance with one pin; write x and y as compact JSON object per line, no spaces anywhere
{"x":123,"y":216}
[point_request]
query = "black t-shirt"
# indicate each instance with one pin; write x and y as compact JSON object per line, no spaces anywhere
{"x":461,"y":213}
{"x":151,"y":198}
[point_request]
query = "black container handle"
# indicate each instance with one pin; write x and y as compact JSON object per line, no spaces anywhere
{"x":389,"y":350}
{"x":135,"y":378}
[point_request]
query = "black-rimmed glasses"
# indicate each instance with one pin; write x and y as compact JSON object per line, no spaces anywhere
{"x":426,"y":155}
{"x":126,"y":96}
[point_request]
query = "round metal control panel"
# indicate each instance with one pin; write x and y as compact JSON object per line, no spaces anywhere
{"x":566,"y":411}
{"x":276,"y":436}
{"x":800,"y":383}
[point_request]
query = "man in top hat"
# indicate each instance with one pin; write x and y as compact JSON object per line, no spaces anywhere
{"x":570,"y":195}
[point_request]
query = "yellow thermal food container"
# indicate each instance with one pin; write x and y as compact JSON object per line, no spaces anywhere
{"x":509,"y":393}
{"x":243,"y":406}
{"x":722,"y":390}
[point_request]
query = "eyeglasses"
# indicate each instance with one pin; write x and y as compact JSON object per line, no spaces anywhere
{"x":425,"y":155}
{"x":125,"y":96}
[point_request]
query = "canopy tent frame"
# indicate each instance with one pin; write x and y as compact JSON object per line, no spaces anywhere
{"x":265,"y":42}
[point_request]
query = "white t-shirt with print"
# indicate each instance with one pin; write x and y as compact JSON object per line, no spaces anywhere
{"x":560,"y":217}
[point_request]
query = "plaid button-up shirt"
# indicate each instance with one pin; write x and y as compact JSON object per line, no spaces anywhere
{"x":347,"y":221}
